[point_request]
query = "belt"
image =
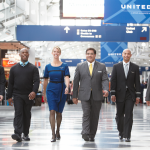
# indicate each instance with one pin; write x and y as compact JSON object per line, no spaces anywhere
{"x":57,"y":81}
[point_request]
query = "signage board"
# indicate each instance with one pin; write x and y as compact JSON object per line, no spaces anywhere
{"x":127,"y":11}
{"x":82,"y":33}
{"x":8,"y":63}
{"x":112,"y":51}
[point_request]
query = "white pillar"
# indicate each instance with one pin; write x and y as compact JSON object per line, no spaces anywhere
{"x":32,"y":55}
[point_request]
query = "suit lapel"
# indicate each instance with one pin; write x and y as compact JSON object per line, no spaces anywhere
{"x":122,"y":69}
{"x":94,"y":69}
{"x":87,"y":68}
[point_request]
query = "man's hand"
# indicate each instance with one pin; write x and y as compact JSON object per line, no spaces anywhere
{"x":75,"y":100}
{"x":1,"y":97}
{"x":148,"y":103}
{"x":113,"y":98}
{"x":45,"y":99}
{"x":32,"y":95}
{"x":105,"y":93}
{"x":10,"y":100}
{"x":137,"y":101}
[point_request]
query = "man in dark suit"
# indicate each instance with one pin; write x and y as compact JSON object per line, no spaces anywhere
{"x":2,"y":83}
{"x":148,"y":92}
{"x":125,"y":91}
{"x":93,"y":79}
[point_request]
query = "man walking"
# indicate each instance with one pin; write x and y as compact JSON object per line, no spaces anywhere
{"x":93,"y":80}
{"x":23,"y":86}
{"x":2,"y":83}
{"x":125,"y":91}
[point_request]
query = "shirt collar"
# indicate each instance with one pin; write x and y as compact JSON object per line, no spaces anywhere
{"x":23,"y":64}
{"x":91,"y":63}
{"x":126,"y":63}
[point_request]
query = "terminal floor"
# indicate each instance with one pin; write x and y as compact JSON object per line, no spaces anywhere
{"x":106,"y":138}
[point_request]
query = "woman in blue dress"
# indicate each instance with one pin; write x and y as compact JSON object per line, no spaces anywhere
{"x":55,"y":91}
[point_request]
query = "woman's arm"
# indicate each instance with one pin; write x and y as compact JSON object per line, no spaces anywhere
{"x":44,"y":89}
{"x":67,"y":81}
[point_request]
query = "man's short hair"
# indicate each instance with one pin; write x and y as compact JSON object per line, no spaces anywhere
{"x":92,"y":50}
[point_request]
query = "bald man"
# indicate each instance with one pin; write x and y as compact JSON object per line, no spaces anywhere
{"x":125,"y":91}
{"x":23,"y":86}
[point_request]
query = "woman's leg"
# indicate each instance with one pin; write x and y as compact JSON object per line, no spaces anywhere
{"x":59,"y":119}
{"x":52,"y":122}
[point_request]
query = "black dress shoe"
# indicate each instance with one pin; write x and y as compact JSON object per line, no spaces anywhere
{"x":91,"y":139}
{"x":127,"y":139}
{"x":121,"y":137}
{"x":16,"y":137}
{"x":26,"y":138}
{"x":85,"y":137}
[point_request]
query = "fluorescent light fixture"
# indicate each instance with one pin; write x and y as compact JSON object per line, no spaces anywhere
{"x":8,"y":38}
{"x":42,"y":3}
{"x":145,"y":63}
{"x":33,"y":12}
{"x":11,"y":22}
{"x":143,"y":44}
{"x":2,"y":15}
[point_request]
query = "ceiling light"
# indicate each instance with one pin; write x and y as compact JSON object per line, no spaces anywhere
{"x":145,"y":63}
{"x":143,"y":44}
{"x":2,"y":15}
{"x":43,"y":12}
{"x":33,"y":12}
{"x":42,"y":22}
{"x":42,"y":3}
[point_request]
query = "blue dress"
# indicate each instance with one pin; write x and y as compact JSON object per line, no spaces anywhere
{"x":56,"y":87}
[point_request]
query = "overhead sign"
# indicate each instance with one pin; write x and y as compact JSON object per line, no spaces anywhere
{"x":82,"y":33}
{"x":127,"y":11}
{"x":111,"y":52}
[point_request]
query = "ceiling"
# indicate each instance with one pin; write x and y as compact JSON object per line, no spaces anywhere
{"x":46,"y":12}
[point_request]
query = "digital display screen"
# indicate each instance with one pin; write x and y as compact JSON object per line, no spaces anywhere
{"x":81,"y":9}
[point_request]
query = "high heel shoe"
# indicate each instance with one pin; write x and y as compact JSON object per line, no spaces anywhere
{"x":53,"y":139}
{"x":57,"y":136}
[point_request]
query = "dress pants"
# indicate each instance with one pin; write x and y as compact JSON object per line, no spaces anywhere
{"x":22,"y":106}
{"x":91,"y":111}
{"x":124,"y":115}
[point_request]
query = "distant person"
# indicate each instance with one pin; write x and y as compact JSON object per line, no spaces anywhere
{"x":2,"y":83}
{"x":145,"y":84}
{"x":22,"y":88}
{"x":125,"y":91}
{"x":93,"y":79}
{"x":55,"y":91}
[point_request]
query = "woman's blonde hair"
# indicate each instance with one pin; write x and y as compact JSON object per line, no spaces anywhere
{"x":57,"y":48}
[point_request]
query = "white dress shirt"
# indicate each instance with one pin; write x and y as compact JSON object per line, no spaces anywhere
{"x":124,"y":65}
{"x":91,"y":63}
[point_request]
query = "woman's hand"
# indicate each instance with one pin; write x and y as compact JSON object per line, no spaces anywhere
{"x":66,"y":90}
{"x":45,"y":99}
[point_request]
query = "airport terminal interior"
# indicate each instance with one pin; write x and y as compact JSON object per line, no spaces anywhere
{"x":49,"y":13}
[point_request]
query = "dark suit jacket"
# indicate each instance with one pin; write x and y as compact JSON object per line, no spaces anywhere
{"x":119,"y":82}
{"x":148,"y":90}
{"x":97,"y":82}
{"x":2,"y":81}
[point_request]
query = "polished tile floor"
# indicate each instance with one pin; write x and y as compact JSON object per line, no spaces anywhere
{"x":106,"y":138}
